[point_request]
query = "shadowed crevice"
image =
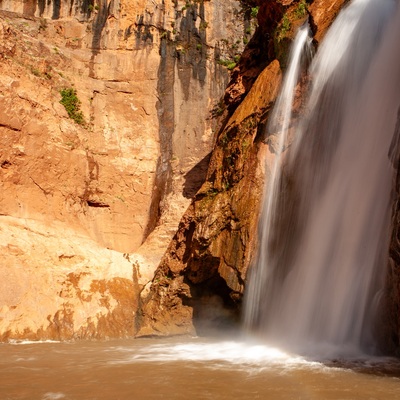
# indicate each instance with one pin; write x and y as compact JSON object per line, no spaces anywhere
{"x":196,"y":177}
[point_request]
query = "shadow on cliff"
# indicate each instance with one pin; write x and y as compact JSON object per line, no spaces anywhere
{"x":98,"y":25}
{"x":196,"y":177}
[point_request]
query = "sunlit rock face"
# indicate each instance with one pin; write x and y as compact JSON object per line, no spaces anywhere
{"x":323,"y":12}
{"x":147,"y":75}
{"x":202,"y":274}
{"x":59,"y":284}
{"x":200,"y":281}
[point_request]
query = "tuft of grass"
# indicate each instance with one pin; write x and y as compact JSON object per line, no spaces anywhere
{"x":203,"y":25}
{"x":301,"y":9}
{"x":230,"y":64}
{"x":254,"y":12}
{"x":285,"y":24}
{"x":72,"y":104}
{"x":284,"y":28}
{"x":35,"y":72}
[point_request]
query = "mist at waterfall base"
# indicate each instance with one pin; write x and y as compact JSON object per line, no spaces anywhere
{"x":324,"y":229}
{"x":182,"y":369}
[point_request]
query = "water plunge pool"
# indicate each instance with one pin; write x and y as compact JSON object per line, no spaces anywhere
{"x":186,"y":368}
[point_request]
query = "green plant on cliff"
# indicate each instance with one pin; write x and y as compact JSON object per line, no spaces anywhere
{"x":218,"y":109}
{"x":283,"y":28}
{"x":203,"y":25}
{"x":301,"y":9}
{"x":230,"y":64}
{"x":254,"y":12}
{"x":35,"y":71}
{"x":72,"y":104}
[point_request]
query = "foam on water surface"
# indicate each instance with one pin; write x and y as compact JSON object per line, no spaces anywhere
{"x":243,"y":355}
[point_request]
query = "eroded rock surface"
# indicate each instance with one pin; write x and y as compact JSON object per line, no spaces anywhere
{"x":148,"y":75}
{"x":203,"y":272}
{"x":200,"y":281}
{"x":62,"y":286}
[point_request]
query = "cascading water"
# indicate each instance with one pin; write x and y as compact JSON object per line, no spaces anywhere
{"x":280,"y":121}
{"x":320,"y":270}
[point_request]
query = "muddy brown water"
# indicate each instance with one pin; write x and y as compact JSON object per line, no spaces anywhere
{"x":186,"y":369}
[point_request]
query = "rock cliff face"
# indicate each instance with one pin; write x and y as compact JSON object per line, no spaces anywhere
{"x":200,"y":281}
{"x":87,"y":207}
{"x":202,"y":274}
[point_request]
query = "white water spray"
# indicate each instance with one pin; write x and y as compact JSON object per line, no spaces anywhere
{"x":279,"y":125}
{"x":320,"y":296}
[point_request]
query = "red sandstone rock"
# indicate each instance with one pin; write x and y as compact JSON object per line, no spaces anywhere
{"x":202,"y":275}
{"x":100,"y":201}
{"x":323,"y":12}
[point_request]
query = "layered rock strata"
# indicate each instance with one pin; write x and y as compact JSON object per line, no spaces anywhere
{"x":116,"y":180}
{"x":200,"y":281}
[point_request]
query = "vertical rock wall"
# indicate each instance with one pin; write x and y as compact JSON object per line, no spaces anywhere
{"x":147,"y":75}
{"x":200,"y":281}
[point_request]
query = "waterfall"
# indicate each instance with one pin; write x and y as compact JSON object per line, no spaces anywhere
{"x":323,"y":244}
{"x":279,"y":125}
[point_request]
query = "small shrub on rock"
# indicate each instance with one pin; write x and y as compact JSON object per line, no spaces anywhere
{"x":72,"y":104}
